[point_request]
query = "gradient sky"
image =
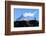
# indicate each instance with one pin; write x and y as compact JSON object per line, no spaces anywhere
{"x":19,"y":11}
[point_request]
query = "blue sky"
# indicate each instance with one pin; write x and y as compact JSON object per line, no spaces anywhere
{"x":19,"y":11}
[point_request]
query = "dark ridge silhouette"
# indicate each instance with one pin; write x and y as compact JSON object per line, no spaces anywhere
{"x":23,"y":23}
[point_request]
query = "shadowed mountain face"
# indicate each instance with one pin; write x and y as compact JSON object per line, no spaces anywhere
{"x":23,"y":23}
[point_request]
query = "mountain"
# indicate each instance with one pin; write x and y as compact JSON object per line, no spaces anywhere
{"x":25,"y":22}
{"x":24,"y":18}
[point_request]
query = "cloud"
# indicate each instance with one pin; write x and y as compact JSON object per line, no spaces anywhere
{"x":28,"y":14}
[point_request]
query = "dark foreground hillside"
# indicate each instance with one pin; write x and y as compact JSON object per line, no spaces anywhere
{"x":31,"y":23}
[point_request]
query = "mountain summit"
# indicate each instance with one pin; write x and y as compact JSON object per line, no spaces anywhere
{"x":24,"y":17}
